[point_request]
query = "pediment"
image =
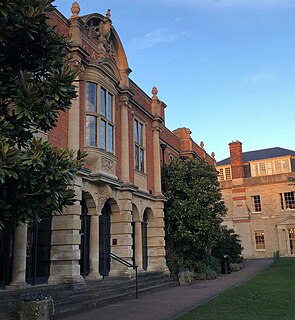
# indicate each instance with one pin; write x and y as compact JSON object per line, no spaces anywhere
{"x":287,"y":223}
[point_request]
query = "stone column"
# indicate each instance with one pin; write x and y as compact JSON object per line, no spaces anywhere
{"x":157,"y":163}
{"x":94,"y":248}
{"x":124,"y":139}
{"x":138,"y":245}
{"x":19,"y":258}
{"x":156,"y":240}
{"x":65,"y":243}
{"x":121,"y":235}
{"x":74,"y":119}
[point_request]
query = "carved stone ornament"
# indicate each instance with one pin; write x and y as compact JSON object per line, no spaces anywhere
{"x":107,"y":165}
{"x":103,"y":194}
{"x":101,"y":30}
{"x":78,"y":64}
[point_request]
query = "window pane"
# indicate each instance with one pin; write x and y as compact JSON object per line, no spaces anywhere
{"x":136,"y":131}
{"x":103,"y":134}
{"x":256,"y":203}
{"x":141,"y":159}
{"x":286,"y":167}
{"x":259,"y":240}
{"x":278,"y":166}
{"x":254,"y":169}
{"x":221,"y":177}
{"x":91,"y":96}
{"x":110,"y":107}
{"x":141,"y":134}
{"x":269,"y":168}
{"x":103,"y":101}
{"x":227,"y":173}
{"x":91,"y":133}
{"x":262,"y":168}
{"x":289,"y":200}
{"x":136,"y":157}
{"x":110,"y":139}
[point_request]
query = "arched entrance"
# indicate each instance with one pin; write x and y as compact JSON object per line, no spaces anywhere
{"x":144,"y":230}
{"x":84,"y":232}
{"x":6,"y":245}
{"x":38,"y":251}
{"x":105,"y":240}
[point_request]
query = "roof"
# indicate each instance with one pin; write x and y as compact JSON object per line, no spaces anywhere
{"x":261,"y":154}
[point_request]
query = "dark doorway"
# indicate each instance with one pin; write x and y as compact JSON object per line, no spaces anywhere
{"x":105,"y":240}
{"x":144,"y":225}
{"x":133,"y":242}
{"x":38,"y":251}
{"x":85,"y":232}
{"x":6,"y":245}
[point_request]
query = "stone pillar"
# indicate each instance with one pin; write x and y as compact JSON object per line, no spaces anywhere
{"x":156,"y":240}
{"x":19,"y":258}
{"x":157,"y":163}
{"x":74,"y":120}
{"x":156,"y":107}
{"x":94,"y":248}
{"x":121,"y":235}
{"x":124,"y":139}
{"x":65,"y":243}
{"x":138,"y":245}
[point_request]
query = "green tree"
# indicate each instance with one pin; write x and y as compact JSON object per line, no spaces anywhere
{"x":194,"y":207}
{"x":230,"y":244}
{"x":35,"y":86}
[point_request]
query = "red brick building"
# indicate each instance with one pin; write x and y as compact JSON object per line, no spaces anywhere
{"x":120,"y":202}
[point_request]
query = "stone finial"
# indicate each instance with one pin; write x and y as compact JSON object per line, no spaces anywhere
{"x":213,"y":155}
{"x":75,"y":9}
{"x":108,"y":14}
{"x":154,"y":91}
{"x":202,"y":144}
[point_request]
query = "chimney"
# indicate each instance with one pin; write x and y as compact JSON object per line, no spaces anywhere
{"x":236,"y":159}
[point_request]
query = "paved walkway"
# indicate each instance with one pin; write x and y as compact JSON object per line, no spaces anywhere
{"x":172,"y":303}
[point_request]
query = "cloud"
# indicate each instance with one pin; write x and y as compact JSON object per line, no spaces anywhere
{"x":261,"y":77}
{"x":153,"y":38}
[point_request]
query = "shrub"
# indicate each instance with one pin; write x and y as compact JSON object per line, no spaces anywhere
{"x":230,"y":244}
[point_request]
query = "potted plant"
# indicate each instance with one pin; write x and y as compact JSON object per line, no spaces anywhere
{"x":36,"y":307}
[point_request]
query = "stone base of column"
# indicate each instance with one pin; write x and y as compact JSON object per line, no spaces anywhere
{"x":66,"y":279}
{"x":127,"y":273}
{"x":93,"y":276}
{"x":17,"y":286}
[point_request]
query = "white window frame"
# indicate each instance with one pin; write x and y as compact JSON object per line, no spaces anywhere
{"x":287,"y":200}
{"x":259,"y":240}
{"x":270,"y":166}
{"x":94,"y":138}
{"x":224,"y":173}
{"x":139,"y":144}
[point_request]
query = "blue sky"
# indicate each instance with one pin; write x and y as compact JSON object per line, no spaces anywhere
{"x":225,"y":68}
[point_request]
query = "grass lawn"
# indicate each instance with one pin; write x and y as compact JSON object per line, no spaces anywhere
{"x":269,"y":295}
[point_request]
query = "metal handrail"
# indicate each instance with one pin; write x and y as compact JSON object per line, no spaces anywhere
{"x":127,"y":264}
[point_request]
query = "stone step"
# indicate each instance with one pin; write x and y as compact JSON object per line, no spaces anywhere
{"x":68,"y":308}
{"x":70,"y":299}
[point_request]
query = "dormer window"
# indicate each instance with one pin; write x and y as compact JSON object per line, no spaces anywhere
{"x":269,"y":167}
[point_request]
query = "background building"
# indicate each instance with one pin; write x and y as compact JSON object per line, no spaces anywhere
{"x":260,"y":199}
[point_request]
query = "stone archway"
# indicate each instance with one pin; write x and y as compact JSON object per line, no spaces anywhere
{"x":105,"y":240}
